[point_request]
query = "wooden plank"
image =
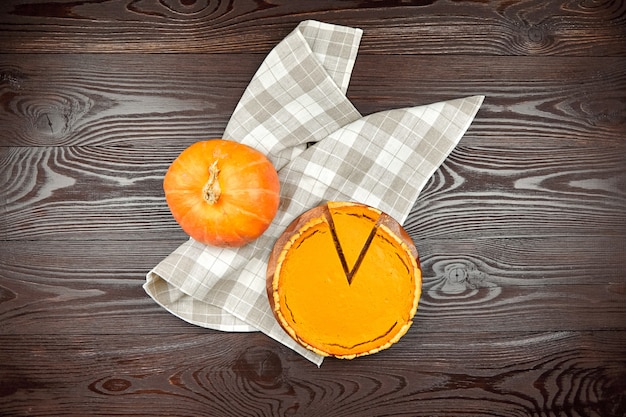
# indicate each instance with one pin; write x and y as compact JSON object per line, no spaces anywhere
{"x":171,"y":100}
{"x":450,"y":266}
{"x":522,"y":232}
{"x":513,"y":192}
{"x":529,"y":100}
{"x":113,"y":100}
{"x":101,"y":306}
{"x":530,"y":27}
{"x":91,"y":287}
{"x":522,"y":373}
{"x":119,"y":189}
{"x":85,"y":192}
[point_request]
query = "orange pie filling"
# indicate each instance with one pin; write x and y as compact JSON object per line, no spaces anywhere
{"x":345,"y":283}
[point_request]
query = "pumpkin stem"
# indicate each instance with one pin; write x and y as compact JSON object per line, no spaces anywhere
{"x":211,"y":190}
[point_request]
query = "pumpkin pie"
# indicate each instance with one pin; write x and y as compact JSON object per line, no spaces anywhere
{"x":344,"y":280}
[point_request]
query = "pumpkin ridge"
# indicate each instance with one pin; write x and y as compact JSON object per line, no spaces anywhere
{"x":241,"y":211}
{"x":254,"y":190}
{"x":249,"y":165}
{"x":197,"y":186}
{"x":251,"y":214}
{"x":188,"y":220}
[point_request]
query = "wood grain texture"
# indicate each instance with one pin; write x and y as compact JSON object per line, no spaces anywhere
{"x":110,"y":192}
{"x":521,"y":233}
{"x":171,"y":100}
{"x":469,"y":286}
{"x":529,"y":374}
{"x":492,"y":192}
{"x":530,"y":27}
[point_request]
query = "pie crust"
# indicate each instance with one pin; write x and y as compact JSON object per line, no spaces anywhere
{"x":344,"y":280}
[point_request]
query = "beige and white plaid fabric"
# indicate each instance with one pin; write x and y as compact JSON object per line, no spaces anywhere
{"x":296,"y":112}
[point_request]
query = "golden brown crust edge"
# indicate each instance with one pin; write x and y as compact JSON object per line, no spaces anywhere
{"x":290,"y":233}
{"x":282,"y":240}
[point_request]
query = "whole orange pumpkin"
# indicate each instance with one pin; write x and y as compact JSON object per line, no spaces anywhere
{"x":222,"y":193}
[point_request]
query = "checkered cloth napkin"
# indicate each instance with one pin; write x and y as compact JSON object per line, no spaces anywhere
{"x":296,"y":112}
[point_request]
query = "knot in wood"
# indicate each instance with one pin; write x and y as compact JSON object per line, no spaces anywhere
{"x":535,"y":34}
{"x":116,"y":384}
{"x":261,"y":366}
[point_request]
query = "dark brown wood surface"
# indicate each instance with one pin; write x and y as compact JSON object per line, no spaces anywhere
{"x":522,"y":231}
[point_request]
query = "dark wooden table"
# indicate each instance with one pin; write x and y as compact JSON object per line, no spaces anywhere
{"x":522,"y":232}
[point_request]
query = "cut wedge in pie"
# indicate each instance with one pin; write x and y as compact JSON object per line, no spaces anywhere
{"x":344,"y":280}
